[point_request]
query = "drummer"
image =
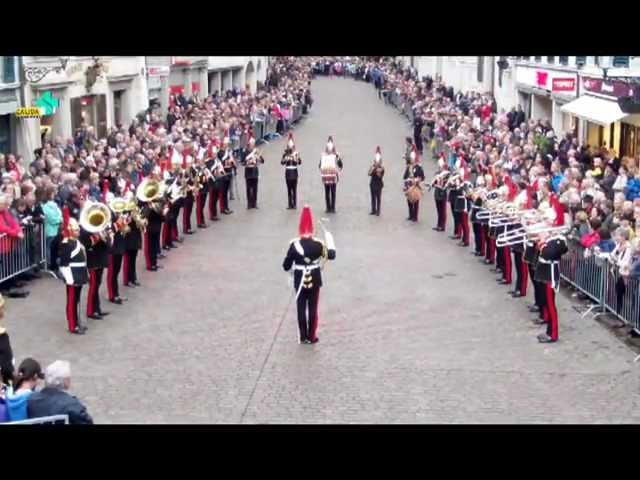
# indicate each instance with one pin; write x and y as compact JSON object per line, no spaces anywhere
{"x":413,"y":177}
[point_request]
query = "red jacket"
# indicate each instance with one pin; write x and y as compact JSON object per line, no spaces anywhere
{"x":9,"y":231}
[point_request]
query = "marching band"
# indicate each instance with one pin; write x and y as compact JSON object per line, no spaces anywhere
{"x":515,"y":225}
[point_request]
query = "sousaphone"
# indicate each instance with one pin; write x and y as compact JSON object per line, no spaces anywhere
{"x":149,"y":190}
{"x":95,"y":217}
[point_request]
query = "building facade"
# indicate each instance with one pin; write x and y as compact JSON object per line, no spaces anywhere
{"x":571,"y":93}
{"x":11,"y":127}
{"x":169,"y":76}
{"x":94,"y":91}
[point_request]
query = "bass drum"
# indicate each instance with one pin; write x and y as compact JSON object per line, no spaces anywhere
{"x":413,"y":194}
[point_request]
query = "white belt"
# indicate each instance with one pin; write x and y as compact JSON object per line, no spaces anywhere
{"x":291,"y":168}
{"x":77,"y":264}
{"x":306,"y":267}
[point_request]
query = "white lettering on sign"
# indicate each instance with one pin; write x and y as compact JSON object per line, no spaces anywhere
{"x":606,"y":87}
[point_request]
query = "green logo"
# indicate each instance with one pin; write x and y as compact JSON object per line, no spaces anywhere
{"x":47,"y":104}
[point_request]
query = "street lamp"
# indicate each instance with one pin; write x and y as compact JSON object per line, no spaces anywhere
{"x":36,"y":73}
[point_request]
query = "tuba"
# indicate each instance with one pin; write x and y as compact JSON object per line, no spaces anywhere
{"x":149,"y":190}
{"x":95,"y":217}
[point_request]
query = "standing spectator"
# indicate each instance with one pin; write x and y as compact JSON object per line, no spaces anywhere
{"x":52,"y":223}
{"x":6,"y":353}
{"x":54,"y":400}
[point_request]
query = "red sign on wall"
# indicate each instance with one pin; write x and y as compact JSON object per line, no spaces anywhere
{"x":541,"y":79}
{"x":563,"y":84}
{"x":176,"y":89}
{"x":195,"y":87}
{"x":609,"y":88}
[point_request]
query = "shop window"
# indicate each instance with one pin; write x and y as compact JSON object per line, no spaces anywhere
{"x":563,"y":60}
{"x":5,"y":134}
{"x":480,"y":69}
{"x":8,"y":69}
{"x":88,"y":111}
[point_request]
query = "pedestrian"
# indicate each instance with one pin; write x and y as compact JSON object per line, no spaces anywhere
{"x":6,"y":352}
{"x":306,"y":254}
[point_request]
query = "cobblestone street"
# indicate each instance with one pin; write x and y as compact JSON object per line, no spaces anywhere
{"x":413,"y":329}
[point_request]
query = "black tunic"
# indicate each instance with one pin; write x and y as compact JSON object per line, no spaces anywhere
{"x":97,"y":251}
{"x":313,"y":250}
{"x":291,"y":166}
{"x":73,"y":262}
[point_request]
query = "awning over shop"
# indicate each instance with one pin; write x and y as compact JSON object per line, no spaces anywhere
{"x":595,"y":110}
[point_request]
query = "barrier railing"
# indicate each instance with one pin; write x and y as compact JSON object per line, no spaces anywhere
{"x":51,"y":420}
{"x":601,"y":281}
{"x":19,"y":255}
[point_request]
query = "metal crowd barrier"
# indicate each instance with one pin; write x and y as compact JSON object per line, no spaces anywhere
{"x":270,"y":127}
{"x":258,"y":129}
{"x":21,"y":255}
{"x":601,"y":281}
{"x":51,"y":420}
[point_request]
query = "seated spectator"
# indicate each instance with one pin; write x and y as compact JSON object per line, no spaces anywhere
{"x":29,"y":375}
{"x":54,"y":400}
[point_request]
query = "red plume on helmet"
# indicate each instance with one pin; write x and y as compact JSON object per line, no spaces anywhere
{"x":513,"y":190}
{"x":529,"y":204}
{"x":105,"y":190}
{"x":559,"y":209}
{"x":378,"y":150}
{"x":66,"y":215}
{"x":306,"y":222}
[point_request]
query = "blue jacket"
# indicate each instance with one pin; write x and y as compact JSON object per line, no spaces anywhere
{"x":607,"y":246}
{"x":53,"y":401}
{"x":633,"y":189}
{"x":17,"y":406}
{"x":555,"y":182}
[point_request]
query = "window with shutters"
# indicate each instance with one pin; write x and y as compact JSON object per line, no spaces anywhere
{"x":620,"y":62}
{"x":8,"y":70}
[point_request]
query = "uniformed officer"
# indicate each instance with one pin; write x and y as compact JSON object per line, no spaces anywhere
{"x":120,"y":228}
{"x":133,"y":243}
{"x":330,"y":166}
{"x":189,"y":199}
{"x":73,"y":269}
{"x":376,"y":172}
{"x":97,"y":247}
{"x":291,"y":159}
{"x":306,"y":254}
{"x":251,"y":173}
{"x":413,"y":177}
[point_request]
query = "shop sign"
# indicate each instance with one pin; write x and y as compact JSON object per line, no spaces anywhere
{"x":158,"y":71}
{"x":541,"y":79}
{"x":563,"y":84}
{"x":28,"y":112}
{"x":615,"y":89}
